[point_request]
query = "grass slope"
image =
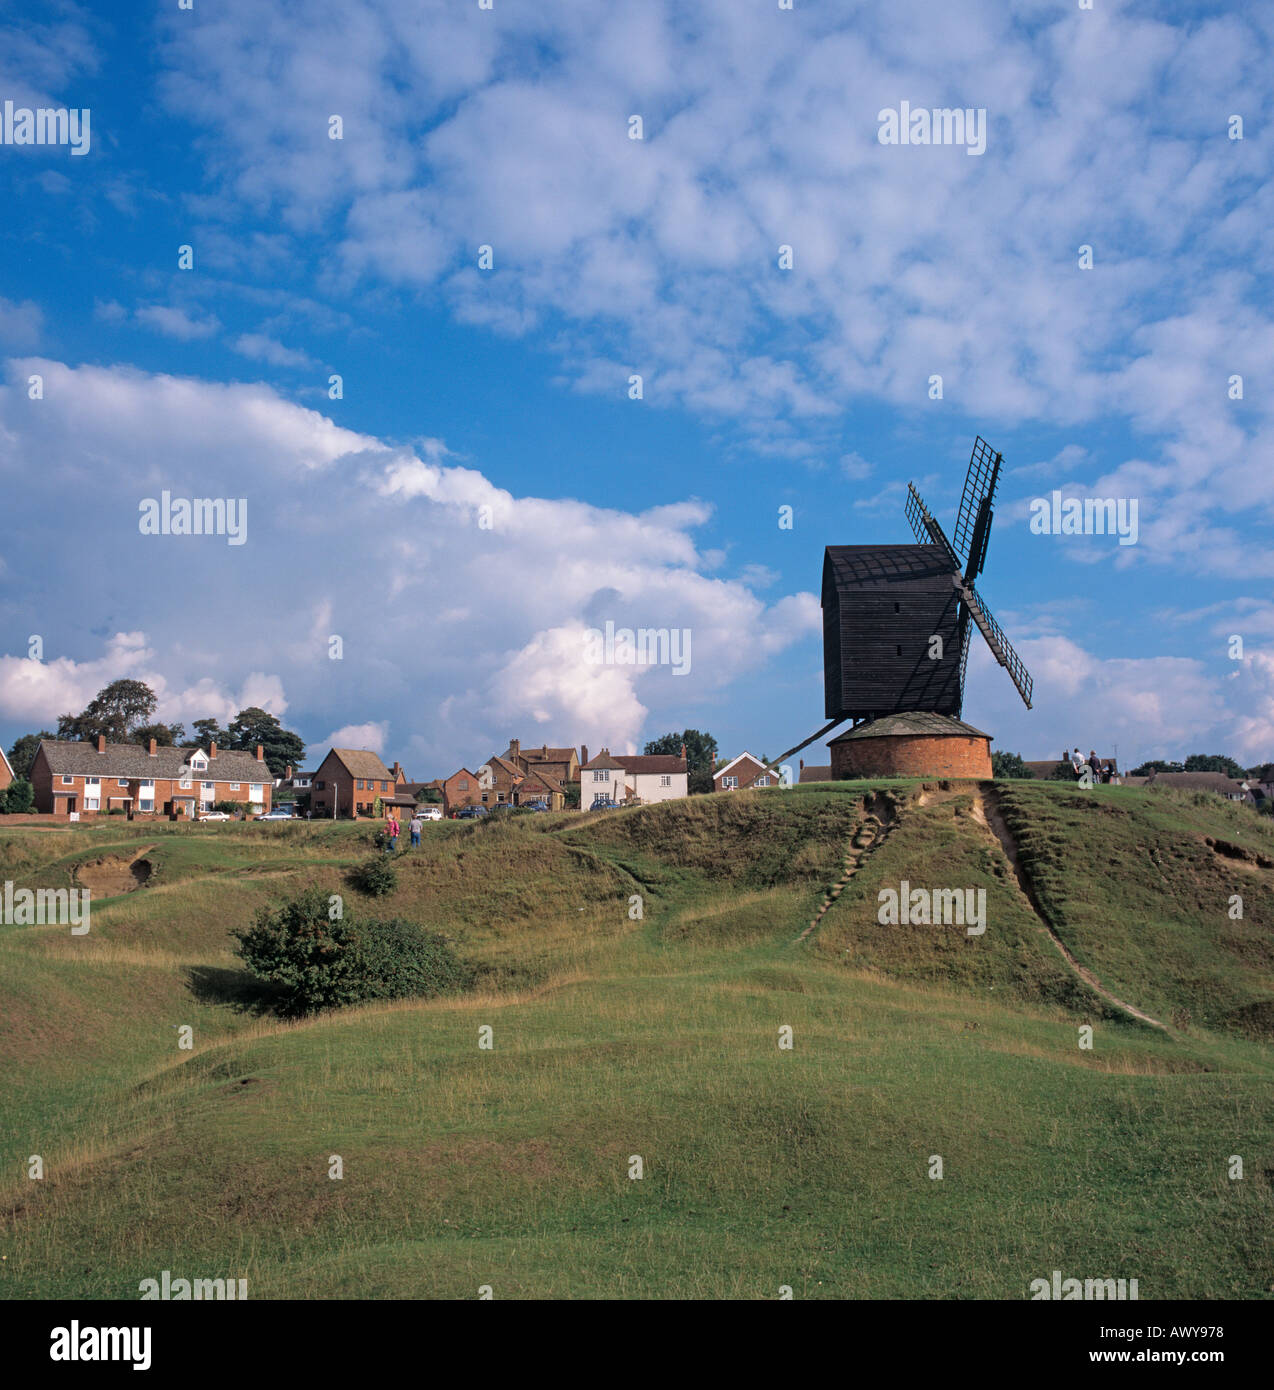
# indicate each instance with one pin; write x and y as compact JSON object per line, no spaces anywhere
{"x":656,"y":1033}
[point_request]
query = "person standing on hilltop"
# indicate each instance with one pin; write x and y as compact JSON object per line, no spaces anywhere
{"x":415,"y":827}
{"x":393,"y":830}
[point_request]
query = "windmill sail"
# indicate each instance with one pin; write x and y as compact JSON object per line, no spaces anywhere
{"x":1001,"y":647}
{"x":973,"y":523}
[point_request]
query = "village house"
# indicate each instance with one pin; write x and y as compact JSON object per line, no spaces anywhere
{"x":348,"y":782}
{"x":74,"y":778}
{"x":601,"y":776}
{"x":743,"y":771}
{"x":499,"y":779}
{"x":6,"y":771}
{"x":561,"y":764}
{"x":540,"y":786}
{"x":292,"y":784}
{"x":460,"y":789}
{"x":654,"y":776}
{"x":814,"y":773}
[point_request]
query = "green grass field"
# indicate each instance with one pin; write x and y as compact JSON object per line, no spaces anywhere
{"x":657,"y":1035}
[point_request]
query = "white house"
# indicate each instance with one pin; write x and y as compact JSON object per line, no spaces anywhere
{"x":654,"y":776}
{"x":602,"y":776}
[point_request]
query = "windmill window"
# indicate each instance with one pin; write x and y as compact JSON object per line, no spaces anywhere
{"x":897,"y":609}
{"x":898,"y":650}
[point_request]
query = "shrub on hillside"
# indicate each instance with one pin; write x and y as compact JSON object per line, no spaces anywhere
{"x":315,"y":961}
{"x":376,"y":876}
{"x":308,"y":956}
{"x":1008,"y":765}
{"x":402,"y":960}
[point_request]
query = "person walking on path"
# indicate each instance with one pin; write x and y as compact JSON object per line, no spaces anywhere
{"x":414,"y":827}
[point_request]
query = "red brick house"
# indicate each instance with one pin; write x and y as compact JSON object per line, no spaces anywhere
{"x":743,"y":771}
{"x":460,"y":789}
{"x":6,"y":771}
{"x":347,"y":783}
{"x":91,"y":779}
{"x":561,"y":764}
{"x":499,"y":780}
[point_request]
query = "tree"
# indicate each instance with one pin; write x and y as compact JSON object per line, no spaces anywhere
{"x":1155,"y":765}
{"x":1008,"y":765}
{"x":1263,"y":772}
{"x":115,"y":711}
{"x":701,"y":752}
{"x":429,"y":796}
{"x":165,"y":735}
{"x":206,"y":731}
{"x":19,"y":797}
{"x":282,"y":747}
{"x":309,"y":957}
{"x":23,"y":752}
{"x":1214,"y":762}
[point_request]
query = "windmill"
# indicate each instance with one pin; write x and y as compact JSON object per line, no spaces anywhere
{"x":897,"y":618}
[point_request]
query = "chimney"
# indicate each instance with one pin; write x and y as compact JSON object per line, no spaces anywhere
{"x":151,"y":749}
{"x":212,"y":750}
{"x":101,"y":743}
{"x":287,"y":775}
{"x":583,"y":754}
{"x":515,"y":747}
{"x":683,"y":754}
{"x":260,"y":754}
{"x":802,"y":767}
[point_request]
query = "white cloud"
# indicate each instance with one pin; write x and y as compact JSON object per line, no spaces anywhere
{"x":263,"y":348}
{"x":175,"y":323}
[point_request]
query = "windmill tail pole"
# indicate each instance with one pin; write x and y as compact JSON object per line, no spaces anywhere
{"x":827,"y":728}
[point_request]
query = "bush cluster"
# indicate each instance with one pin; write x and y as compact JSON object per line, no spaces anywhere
{"x":316,"y":960}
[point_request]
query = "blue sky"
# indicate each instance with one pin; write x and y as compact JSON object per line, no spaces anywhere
{"x":508,"y":388}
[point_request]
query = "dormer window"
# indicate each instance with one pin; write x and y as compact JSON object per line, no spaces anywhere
{"x":199,"y":764}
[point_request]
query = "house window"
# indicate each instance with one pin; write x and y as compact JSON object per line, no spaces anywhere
{"x":121,"y":781}
{"x":318,"y":786}
{"x":199,"y":764}
{"x":601,"y":777}
{"x":484,"y":796}
{"x":68,"y":781}
{"x":234,"y":786}
{"x":147,"y":803}
{"x":209,"y":787}
{"x":665,"y":781}
{"x":254,"y":791}
{"x":462,"y":785}
{"x":730,"y":783}
{"x":384,"y":786}
{"x":90,"y":803}
{"x":93,"y":782}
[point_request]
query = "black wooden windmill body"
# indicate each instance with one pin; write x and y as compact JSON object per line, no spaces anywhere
{"x":884,"y":606}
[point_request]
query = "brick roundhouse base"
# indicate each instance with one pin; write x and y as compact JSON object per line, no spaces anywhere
{"x":912,"y":755}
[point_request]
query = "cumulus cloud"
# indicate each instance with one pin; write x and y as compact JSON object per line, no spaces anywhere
{"x":459,"y":606}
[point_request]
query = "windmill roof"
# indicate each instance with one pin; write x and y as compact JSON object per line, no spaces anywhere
{"x":913,"y":724}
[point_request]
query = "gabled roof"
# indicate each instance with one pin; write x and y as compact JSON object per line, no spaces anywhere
{"x":816,"y":774}
{"x":512,"y":769}
{"x":542,"y":754}
{"x":67,"y":757}
{"x":361,"y":762}
{"x":544,"y":779}
{"x":914,"y":723}
{"x":647,"y":763}
{"x":460,"y":772}
{"x":7,"y":763}
{"x":603,"y":760}
{"x":757,"y":761}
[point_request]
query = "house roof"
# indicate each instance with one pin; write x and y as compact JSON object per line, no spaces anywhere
{"x":647,"y":763}
{"x":1200,"y":781}
{"x":542,"y":754}
{"x":760,"y":766}
{"x":603,"y":759}
{"x":545,"y":779}
{"x":816,"y":774}
{"x":913,"y":724}
{"x":67,"y":757}
{"x":6,"y":762}
{"x":361,"y":762}
{"x":513,"y":770}
{"x":460,"y":772}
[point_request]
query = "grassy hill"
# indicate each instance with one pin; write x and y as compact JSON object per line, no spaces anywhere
{"x":636,"y":969}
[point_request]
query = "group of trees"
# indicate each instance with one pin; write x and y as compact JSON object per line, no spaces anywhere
{"x":1196,"y":762}
{"x":701,"y":755}
{"x":124,"y":711}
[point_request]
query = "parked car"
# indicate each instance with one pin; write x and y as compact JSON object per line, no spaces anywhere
{"x":279,"y":813}
{"x":535,"y":805}
{"x":472,"y":813}
{"x":604,"y":803}
{"x":214,"y":815}
{"x":429,"y":812}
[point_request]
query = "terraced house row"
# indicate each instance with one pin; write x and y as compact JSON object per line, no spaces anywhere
{"x":90,"y":779}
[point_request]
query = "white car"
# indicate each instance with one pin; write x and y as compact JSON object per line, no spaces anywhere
{"x":214,"y":815}
{"x":277,"y":814}
{"x":429,"y":812}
